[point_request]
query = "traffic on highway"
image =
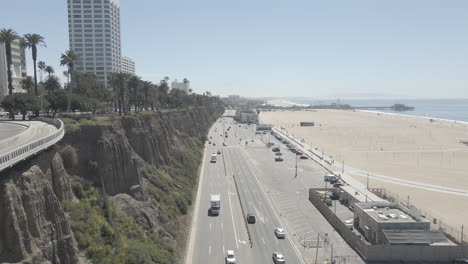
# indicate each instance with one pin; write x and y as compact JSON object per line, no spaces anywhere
{"x":237,"y":217}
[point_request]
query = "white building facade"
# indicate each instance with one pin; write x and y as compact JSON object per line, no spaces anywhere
{"x":18,"y":68}
{"x":183,"y":86}
{"x":128,"y":65}
{"x":94,"y":33}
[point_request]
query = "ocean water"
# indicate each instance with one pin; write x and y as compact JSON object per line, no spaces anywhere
{"x":451,"y":109}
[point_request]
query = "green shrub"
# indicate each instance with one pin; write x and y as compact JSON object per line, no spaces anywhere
{"x":69,"y":156}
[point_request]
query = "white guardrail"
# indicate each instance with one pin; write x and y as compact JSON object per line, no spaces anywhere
{"x":21,"y":153}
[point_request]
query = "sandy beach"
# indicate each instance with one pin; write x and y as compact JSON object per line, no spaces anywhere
{"x":409,"y":148}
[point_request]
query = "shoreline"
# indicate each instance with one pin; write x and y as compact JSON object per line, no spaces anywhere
{"x":414,"y":116}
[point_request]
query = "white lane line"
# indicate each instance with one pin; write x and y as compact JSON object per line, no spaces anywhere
{"x":196,"y":207}
{"x":209,"y":250}
{"x":221,"y":225}
{"x":263,"y":240}
{"x":232,"y":217}
{"x":224,"y":250}
{"x":210,"y":226}
{"x":276,"y":240}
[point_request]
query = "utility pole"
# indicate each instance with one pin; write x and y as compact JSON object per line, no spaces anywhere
{"x":331,"y":255}
{"x":317,"y":246}
{"x":342,"y":170}
{"x":461,"y":239}
{"x":367,"y":183}
{"x":295,"y":175}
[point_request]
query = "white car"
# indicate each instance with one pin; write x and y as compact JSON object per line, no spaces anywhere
{"x":224,"y":144}
{"x":279,"y":232}
{"x":278,"y":258}
{"x":231,"y":257}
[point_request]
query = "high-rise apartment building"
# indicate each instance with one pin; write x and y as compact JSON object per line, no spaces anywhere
{"x":128,"y":65}
{"x":94,"y":33}
{"x":18,"y":68}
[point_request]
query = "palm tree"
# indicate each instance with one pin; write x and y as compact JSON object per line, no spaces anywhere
{"x":118,"y":81}
{"x":146,"y":86}
{"x":41,"y":65}
{"x":69,"y":59}
{"x":32,"y":41}
{"x":50,"y":70}
{"x":7,"y":36}
{"x":27,"y":83}
{"x":66,"y":74}
{"x":133,"y":83}
{"x":52,"y":84}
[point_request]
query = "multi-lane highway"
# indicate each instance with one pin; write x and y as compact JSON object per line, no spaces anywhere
{"x":250,"y":181}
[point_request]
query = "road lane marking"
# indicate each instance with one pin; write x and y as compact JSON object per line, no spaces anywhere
{"x":221,"y":225}
{"x":233,"y":223}
{"x":210,"y":226}
{"x":209,"y":250}
{"x":263,"y":240}
{"x":189,"y":254}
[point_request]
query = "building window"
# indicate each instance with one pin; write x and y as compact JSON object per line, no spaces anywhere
{"x":88,"y":40}
{"x":76,"y":16}
{"x":88,"y":16}
{"x":98,"y":21}
{"x":88,"y":35}
{"x":88,"y":21}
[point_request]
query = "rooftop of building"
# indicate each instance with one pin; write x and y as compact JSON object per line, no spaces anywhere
{"x":386,"y":212}
{"x":389,"y":215}
{"x":362,"y":195}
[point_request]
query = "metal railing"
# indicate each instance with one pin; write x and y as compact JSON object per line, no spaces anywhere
{"x":21,"y":153}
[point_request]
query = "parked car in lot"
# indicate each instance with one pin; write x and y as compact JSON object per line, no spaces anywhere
{"x":278,"y":258}
{"x":304,"y":157}
{"x":278,"y":153}
{"x":219,"y":151}
{"x":298,"y":153}
{"x":279,"y":232}
{"x":251,"y":218}
{"x":230,"y":257}
{"x":275,"y":149}
{"x":224,"y":144}
{"x":278,"y":158}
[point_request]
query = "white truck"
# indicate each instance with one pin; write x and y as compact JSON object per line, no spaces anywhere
{"x":215,"y":204}
{"x":214,"y":157}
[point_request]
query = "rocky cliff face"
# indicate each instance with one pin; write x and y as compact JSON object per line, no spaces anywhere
{"x":146,"y":163}
{"x":114,"y":154}
{"x":33,"y":226}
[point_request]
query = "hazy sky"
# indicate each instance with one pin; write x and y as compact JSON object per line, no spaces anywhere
{"x":280,"y":48}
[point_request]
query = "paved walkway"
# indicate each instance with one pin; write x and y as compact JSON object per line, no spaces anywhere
{"x":36,"y":131}
{"x":9,"y":129}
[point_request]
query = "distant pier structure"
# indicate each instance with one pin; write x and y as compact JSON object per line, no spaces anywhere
{"x":307,"y":123}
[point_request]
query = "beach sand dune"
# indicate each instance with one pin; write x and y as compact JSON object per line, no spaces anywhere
{"x":408,"y":148}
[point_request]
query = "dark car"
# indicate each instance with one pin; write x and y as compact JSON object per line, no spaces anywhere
{"x":304,"y":157}
{"x":275,"y":149}
{"x":298,"y":153}
{"x":278,"y":158}
{"x":251,"y":218}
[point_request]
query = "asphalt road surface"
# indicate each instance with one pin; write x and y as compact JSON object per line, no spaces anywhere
{"x":250,"y":181}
